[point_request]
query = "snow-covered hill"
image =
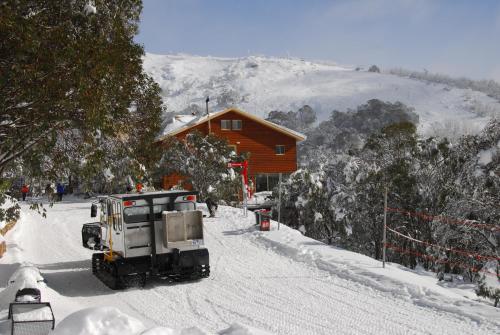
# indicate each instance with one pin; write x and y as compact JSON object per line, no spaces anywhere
{"x":280,"y":282}
{"x":260,"y":84}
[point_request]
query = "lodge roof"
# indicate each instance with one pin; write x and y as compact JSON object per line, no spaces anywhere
{"x":182,"y":123}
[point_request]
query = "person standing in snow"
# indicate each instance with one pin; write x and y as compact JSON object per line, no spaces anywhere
{"x":212,"y":207}
{"x":24,"y":191}
{"x":211,"y":202}
{"x":49,"y":192}
{"x":60,"y":191}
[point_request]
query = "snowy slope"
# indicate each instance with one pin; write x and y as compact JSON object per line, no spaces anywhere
{"x":259,"y":85}
{"x":278,"y":281}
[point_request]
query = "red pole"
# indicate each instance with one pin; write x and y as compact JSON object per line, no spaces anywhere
{"x":244,"y":165}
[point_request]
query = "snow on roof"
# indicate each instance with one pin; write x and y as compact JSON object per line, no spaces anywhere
{"x":179,"y":121}
{"x":184,"y":122}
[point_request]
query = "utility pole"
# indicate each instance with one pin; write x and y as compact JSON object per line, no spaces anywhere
{"x":245,"y":196}
{"x":208,"y":114}
{"x":279,"y":202}
{"x":385,"y":227}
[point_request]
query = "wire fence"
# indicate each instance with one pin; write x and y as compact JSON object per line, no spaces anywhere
{"x":472,"y":255}
{"x":444,"y":219}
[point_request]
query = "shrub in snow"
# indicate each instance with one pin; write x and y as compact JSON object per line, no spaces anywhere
{"x":487,"y":291}
{"x":374,"y":68}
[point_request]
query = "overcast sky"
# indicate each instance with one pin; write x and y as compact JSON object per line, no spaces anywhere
{"x":457,"y":37}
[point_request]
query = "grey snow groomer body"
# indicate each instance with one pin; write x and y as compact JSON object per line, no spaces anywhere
{"x":147,"y":234}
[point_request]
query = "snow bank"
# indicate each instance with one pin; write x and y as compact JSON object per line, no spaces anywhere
{"x":485,"y":157}
{"x":415,"y":285}
{"x":239,"y":329}
{"x":99,"y":321}
{"x":90,"y":8}
{"x":167,"y":331}
{"x":111,"y":321}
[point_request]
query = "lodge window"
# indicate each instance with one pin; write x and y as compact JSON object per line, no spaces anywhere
{"x":232,"y":147}
{"x":280,"y":150}
{"x":268,"y":181}
{"x":237,"y":124}
{"x":225,"y":124}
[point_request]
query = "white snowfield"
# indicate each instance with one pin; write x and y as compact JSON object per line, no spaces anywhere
{"x":259,"y":85}
{"x":276,"y":282}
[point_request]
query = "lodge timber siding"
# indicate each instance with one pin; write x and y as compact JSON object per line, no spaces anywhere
{"x":256,"y":136}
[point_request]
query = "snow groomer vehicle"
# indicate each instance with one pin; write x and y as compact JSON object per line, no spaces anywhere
{"x":142,"y":235}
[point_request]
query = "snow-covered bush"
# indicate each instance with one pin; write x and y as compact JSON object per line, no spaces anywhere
{"x":228,"y":98}
{"x":489,"y":87}
{"x":489,"y":291}
{"x":306,"y":205}
{"x":301,"y":120}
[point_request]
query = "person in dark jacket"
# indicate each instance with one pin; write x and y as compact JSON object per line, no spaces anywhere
{"x":60,"y":191}
{"x":212,"y":206}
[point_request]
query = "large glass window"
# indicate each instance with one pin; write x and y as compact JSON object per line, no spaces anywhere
{"x":268,"y":181}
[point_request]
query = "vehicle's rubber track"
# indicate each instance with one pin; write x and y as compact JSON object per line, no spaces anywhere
{"x":100,"y":270}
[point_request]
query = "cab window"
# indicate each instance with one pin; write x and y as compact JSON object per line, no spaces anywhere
{"x":141,"y":213}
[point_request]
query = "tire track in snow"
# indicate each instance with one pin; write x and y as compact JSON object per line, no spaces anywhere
{"x":255,"y":283}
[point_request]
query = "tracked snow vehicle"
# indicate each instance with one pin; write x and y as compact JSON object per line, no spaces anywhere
{"x":147,"y":234}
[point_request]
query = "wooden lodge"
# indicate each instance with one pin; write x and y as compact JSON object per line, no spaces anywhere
{"x":272,"y":148}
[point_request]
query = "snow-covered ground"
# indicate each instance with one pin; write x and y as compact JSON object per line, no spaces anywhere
{"x":277,"y":282}
{"x":259,"y":85}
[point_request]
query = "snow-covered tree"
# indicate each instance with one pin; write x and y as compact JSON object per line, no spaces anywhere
{"x":473,"y":199}
{"x":386,"y":162}
{"x":71,"y":79}
{"x":203,"y":160}
{"x":345,"y":131}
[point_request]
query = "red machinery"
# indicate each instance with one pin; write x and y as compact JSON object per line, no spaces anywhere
{"x":243,"y":165}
